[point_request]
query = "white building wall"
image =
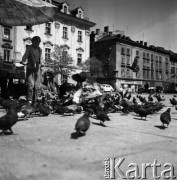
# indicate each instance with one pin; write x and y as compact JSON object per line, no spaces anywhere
{"x":55,"y":38}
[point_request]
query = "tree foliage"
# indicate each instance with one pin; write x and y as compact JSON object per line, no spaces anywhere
{"x":93,"y":65}
{"x":61,"y":62}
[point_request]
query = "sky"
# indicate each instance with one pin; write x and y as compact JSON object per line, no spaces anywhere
{"x":151,"y":21}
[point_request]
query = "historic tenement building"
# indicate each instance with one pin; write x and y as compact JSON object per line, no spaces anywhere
{"x":70,"y":29}
{"x":157,"y":66}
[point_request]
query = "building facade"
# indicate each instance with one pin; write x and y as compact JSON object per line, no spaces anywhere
{"x":157,"y":66}
{"x":69,"y":29}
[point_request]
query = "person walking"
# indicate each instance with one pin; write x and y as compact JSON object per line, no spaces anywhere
{"x":32,"y":58}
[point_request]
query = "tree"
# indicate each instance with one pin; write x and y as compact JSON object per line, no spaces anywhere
{"x":93,"y":65}
{"x":61,"y":62}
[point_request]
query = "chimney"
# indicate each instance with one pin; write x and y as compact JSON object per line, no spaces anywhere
{"x":141,"y":42}
{"x":106,"y":29}
{"x":110,"y":33}
{"x":97,"y":31}
{"x":145,"y":44}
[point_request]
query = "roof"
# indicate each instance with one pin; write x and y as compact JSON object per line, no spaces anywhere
{"x":127,"y":40}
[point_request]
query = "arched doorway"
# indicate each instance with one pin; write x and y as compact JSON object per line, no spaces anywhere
{"x":48,"y":78}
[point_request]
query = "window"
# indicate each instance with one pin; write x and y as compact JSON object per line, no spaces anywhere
{"x":166,"y":76}
{"x":152,"y":57}
{"x":144,"y":62}
{"x":64,"y":79}
{"x":65,"y":9}
{"x":123,"y":60}
{"x":7,"y":33}
{"x":29,"y":28}
{"x":80,"y":14}
{"x":156,"y":64}
{"x":79,"y":59}
{"x":144,"y":74}
{"x":122,"y":51}
{"x":144,"y":55}
{"x":128,"y":51}
{"x":152,"y":64}
{"x":48,"y":28}
{"x":160,"y":64}
{"x":172,"y":70}
{"x":147,"y":74}
{"x":147,"y":55}
{"x":160,"y":75}
{"x":65,"y":32}
{"x":47,"y":53}
{"x":137,"y":53}
{"x":157,"y":75}
{"x":166,"y":60}
{"x":128,"y":61}
{"x":122,"y":72}
{"x":80,"y":36}
{"x":152,"y":74}
{"x":128,"y":72}
{"x":6,"y":54}
{"x":166,"y":66}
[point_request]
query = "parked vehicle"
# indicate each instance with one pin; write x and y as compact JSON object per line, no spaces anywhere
{"x":107,"y":88}
{"x":151,"y":90}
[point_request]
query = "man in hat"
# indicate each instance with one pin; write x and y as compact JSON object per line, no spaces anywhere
{"x":32,"y":58}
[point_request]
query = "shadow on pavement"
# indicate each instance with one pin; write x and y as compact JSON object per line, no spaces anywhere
{"x":7,"y":133}
{"x":98,"y":124}
{"x":160,"y":127}
{"x":76,"y":135}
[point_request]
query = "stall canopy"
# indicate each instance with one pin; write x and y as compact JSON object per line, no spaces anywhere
{"x":26,"y":12}
{"x":12,"y":70}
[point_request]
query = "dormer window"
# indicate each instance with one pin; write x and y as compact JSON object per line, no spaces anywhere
{"x":79,"y":14}
{"x":7,"y":33}
{"x":48,"y":28}
{"x":79,"y":36}
{"x":65,"y":9}
{"x":29,"y":28}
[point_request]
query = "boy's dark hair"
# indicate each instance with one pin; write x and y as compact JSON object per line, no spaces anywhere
{"x":36,"y":38}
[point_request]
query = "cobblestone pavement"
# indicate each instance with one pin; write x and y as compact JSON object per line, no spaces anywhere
{"x":41,"y":148}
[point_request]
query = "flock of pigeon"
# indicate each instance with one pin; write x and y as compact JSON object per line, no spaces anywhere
{"x":92,"y":104}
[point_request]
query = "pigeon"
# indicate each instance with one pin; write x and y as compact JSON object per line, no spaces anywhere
{"x":82,"y":124}
{"x":135,"y":67}
{"x":44,"y":108}
{"x":27,"y":110}
{"x":9,"y":119}
{"x":142,"y":112}
{"x":6,"y":104}
{"x":165,"y":117}
{"x":102,"y":116}
{"x":63,"y":110}
{"x":173,"y":102}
